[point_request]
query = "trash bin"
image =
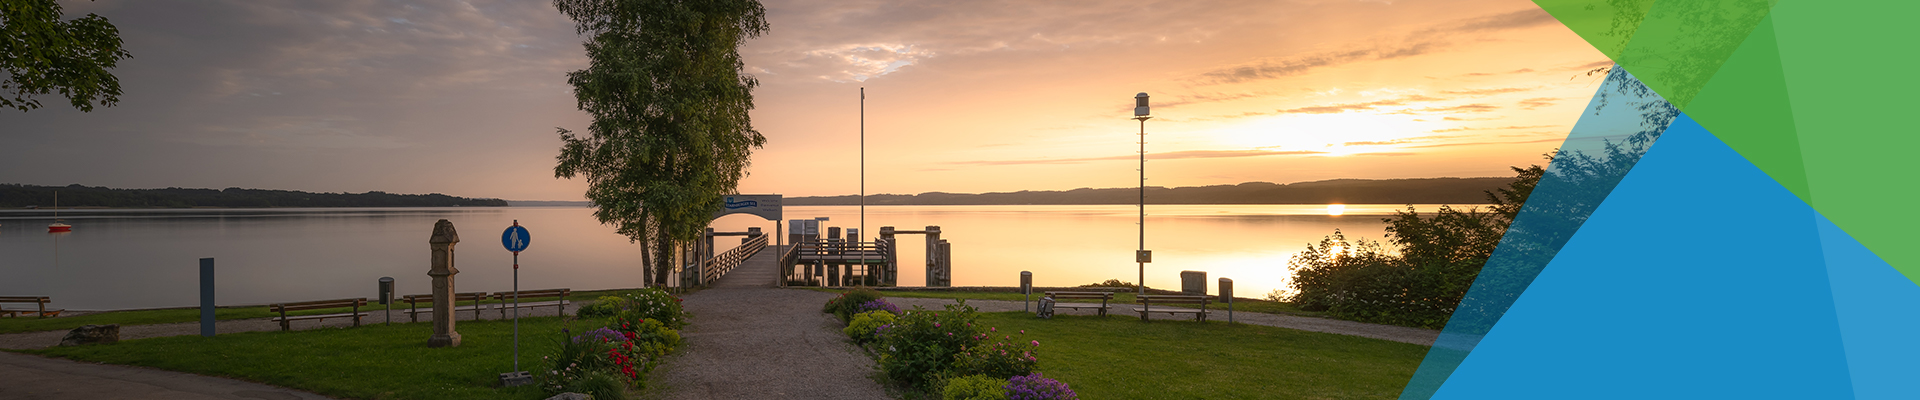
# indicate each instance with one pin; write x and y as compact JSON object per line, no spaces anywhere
{"x":386,"y":290}
{"x":1193,"y":282}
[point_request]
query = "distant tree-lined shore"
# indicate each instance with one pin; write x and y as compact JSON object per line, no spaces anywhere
{"x":16,"y":196}
{"x":1341,"y":191}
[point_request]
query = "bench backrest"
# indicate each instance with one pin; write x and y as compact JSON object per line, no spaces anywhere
{"x":424,"y":298}
{"x":318,"y":304}
{"x":25,"y":299}
{"x":1174,"y":299}
{"x":1081,"y":295}
{"x":529,"y":294}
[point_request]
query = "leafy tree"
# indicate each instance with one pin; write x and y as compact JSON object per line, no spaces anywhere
{"x":670,"y":132}
{"x":42,"y":54}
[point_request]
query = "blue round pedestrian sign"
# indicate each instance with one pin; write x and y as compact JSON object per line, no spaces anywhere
{"x":515,"y":238}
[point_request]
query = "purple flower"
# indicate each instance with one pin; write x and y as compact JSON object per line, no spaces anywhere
{"x":602,"y":335}
{"x":1037,"y":387}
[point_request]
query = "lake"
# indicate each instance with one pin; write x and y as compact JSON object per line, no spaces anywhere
{"x":122,"y":259}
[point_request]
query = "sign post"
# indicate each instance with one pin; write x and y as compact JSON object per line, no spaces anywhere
{"x":516,"y":240}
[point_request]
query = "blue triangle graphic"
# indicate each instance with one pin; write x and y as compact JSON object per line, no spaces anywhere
{"x":1879,"y":313}
{"x":1698,"y":277}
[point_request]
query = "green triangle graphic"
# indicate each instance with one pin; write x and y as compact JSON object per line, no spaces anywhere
{"x":1745,"y":105}
{"x":1681,"y":44}
{"x":1849,"y":75}
{"x":1607,"y":26}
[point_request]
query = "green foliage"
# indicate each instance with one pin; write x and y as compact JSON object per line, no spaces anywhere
{"x":849,"y":302}
{"x":651,"y":304}
{"x":1112,"y":283}
{"x":600,"y":385}
{"x":975,"y":387}
{"x":864,"y":325}
{"x":42,"y":54}
{"x":671,"y":132}
{"x":605,"y":307}
{"x":919,"y":348}
{"x":1419,"y":283}
{"x":573,"y":361}
{"x":1003,"y":356}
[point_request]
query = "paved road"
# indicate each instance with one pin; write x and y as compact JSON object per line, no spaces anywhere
{"x":750,"y":340}
{"x":28,"y":377}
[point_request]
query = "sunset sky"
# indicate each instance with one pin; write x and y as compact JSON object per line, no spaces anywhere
{"x":463,"y":98}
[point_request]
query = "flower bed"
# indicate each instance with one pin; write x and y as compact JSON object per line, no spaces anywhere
{"x":638,"y":330}
{"x":945,"y":352}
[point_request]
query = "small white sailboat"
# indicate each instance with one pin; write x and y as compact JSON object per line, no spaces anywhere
{"x":57,"y":226}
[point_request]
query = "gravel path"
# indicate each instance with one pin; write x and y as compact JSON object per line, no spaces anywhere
{"x":1423,"y":337}
{"x":749,"y":340}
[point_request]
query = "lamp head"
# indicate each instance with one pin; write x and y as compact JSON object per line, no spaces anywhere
{"x":1140,"y":105}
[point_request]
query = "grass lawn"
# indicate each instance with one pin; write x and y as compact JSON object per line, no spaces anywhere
{"x":1119,"y":357}
{"x":1248,"y":305}
{"x":369,"y":362}
{"x":177,"y":315}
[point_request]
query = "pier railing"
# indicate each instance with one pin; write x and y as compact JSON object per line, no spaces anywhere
{"x":834,"y":262}
{"x":723,"y":263}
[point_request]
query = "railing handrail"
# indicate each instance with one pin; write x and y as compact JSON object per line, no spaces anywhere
{"x":723,"y":263}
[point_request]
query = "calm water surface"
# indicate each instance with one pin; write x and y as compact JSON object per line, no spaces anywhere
{"x":118,"y":259}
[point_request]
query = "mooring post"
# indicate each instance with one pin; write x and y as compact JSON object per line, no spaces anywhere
{"x":892,"y":255}
{"x":206,"y":297}
{"x":442,"y":272}
{"x":933,"y":256}
{"x":1226,"y":295}
{"x":946,"y":263}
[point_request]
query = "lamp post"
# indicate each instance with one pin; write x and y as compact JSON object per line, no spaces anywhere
{"x":1142,"y":256}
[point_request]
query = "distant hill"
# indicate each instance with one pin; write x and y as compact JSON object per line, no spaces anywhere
{"x":1344,"y":191}
{"x":16,"y":196}
{"x":548,"y":203}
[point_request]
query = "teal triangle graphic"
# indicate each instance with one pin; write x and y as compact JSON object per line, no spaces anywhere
{"x":1698,"y":277}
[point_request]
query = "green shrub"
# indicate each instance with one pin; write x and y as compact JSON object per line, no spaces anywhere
{"x":1111,"y":283}
{"x":649,"y":303}
{"x":605,"y":307}
{"x":652,"y":338}
{"x":600,"y":385}
{"x":975,"y":387}
{"x":1361,"y":281}
{"x":849,"y":303}
{"x":864,"y":325}
{"x":1004,"y":356}
{"x":574,"y":362}
{"x":919,"y":347}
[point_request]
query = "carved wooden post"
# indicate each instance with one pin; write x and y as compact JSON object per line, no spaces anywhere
{"x":442,"y":244}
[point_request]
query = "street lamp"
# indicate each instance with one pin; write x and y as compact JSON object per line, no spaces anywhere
{"x":1142,"y":256}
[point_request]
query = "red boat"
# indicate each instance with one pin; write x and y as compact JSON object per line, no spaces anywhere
{"x":58,"y":226}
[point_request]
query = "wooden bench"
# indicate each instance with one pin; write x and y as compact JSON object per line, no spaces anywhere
{"x":1105,"y":297}
{"x":414,"y":301}
{"x":506,"y":299}
{"x":1148,"y":300}
{"x":40,"y":301}
{"x":286,"y":322}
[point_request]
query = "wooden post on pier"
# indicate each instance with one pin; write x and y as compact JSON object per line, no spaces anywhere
{"x":893,"y":257}
{"x":933,"y":256}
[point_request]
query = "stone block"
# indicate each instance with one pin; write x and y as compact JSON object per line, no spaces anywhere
{"x":92,"y":334}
